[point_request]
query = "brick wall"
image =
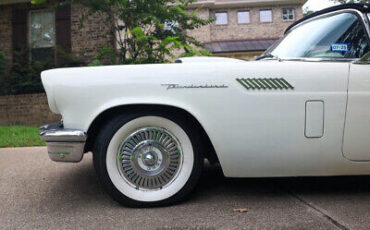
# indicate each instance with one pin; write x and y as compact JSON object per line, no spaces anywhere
{"x":6,"y":30}
{"x":253,"y":30}
{"x":203,"y":33}
{"x":91,"y":37}
{"x":28,"y":109}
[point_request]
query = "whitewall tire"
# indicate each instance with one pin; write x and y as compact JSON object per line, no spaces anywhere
{"x":148,"y":159}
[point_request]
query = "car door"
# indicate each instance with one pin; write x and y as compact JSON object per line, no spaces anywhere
{"x":293,"y":128}
{"x":356,"y":140}
{"x":298,"y":130}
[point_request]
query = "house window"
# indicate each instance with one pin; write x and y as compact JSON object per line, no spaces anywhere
{"x":221,"y":18}
{"x":265,"y":16}
{"x":243,"y":17}
{"x":288,"y":14}
{"x":42,"y":35}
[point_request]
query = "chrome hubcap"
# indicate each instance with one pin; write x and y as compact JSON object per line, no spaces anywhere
{"x":149,"y":158}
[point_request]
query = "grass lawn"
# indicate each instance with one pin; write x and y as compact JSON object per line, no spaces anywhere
{"x":19,"y":136}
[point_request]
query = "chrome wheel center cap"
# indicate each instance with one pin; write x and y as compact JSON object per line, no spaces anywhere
{"x":150,"y":158}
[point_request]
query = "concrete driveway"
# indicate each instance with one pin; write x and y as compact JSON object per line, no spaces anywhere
{"x":36,"y":193}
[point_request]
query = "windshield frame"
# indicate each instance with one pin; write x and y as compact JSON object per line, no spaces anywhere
{"x":361,"y":16}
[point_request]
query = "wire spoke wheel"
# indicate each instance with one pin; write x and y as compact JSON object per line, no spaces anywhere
{"x":150,"y":158}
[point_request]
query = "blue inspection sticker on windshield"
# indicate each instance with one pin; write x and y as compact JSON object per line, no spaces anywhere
{"x":339,"y":47}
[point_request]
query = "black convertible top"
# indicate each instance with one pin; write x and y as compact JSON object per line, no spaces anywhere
{"x":365,"y":8}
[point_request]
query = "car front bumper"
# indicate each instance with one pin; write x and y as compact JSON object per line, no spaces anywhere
{"x":64,"y":145}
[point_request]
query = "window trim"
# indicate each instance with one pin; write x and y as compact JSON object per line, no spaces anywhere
{"x":272,"y":16}
{"x":361,"y":17}
{"x":29,"y":35}
{"x":227,"y":18}
{"x":288,"y":20}
{"x":249,"y":17}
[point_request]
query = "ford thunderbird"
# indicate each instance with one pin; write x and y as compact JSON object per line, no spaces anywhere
{"x":300,"y":109}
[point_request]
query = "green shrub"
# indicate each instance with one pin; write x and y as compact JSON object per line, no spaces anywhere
{"x":3,"y":61}
{"x":23,"y":76}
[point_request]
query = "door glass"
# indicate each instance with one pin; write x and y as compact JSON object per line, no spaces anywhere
{"x":337,"y":36}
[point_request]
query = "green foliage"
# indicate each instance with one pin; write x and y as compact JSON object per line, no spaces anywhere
{"x":307,"y":11}
{"x":23,"y":75}
{"x":3,"y":61}
{"x":350,"y":1}
{"x":19,"y":136}
{"x":95,"y":63}
{"x":38,"y":1}
{"x":146,"y":31}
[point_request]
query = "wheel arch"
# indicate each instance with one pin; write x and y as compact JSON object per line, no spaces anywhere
{"x":206,"y":143}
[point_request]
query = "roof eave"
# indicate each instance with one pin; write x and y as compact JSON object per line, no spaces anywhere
{"x":213,"y":4}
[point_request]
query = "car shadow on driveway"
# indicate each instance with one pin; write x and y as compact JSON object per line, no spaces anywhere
{"x":213,"y":178}
{"x":80,"y":184}
{"x":67,"y":195}
{"x":36,"y":193}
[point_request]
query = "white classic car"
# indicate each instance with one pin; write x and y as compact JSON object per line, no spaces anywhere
{"x":301,"y":109}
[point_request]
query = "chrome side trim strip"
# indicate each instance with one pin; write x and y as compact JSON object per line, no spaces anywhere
{"x":319,"y":59}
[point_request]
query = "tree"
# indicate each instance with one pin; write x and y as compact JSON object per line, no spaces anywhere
{"x":146,"y":31}
{"x":307,"y":11}
{"x":350,"y":1}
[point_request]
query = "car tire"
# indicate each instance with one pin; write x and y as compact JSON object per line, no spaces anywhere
{"x":147,"y":159}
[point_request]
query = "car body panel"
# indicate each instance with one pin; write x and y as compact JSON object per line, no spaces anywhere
{"x":356,"y":142}
{"x":254,"y":132}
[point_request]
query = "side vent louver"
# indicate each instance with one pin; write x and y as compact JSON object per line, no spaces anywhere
{"x":264,"y":83}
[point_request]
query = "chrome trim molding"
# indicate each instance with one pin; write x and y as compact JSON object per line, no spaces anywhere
{"x":63,"y":135}
{"x":64,"y":145}
{"x":264,"y":83}
{"x":365,"y":60}
{"x":192,"y":86}
{"x":320,"y":59}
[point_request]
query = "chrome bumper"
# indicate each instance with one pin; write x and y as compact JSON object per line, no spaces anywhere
{"x":64,"y":145}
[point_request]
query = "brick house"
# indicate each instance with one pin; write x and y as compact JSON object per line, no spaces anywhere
{"x":21,"y":24}
{"x":243,"y":28}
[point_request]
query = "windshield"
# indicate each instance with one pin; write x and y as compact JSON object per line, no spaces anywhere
{"x":336,"y":36}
